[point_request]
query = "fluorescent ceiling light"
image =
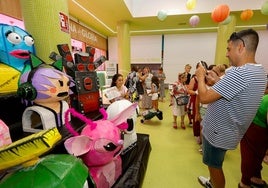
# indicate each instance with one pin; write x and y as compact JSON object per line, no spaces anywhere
{"x":101,"y":22}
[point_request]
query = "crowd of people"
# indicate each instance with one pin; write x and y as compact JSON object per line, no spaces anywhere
{"x":225,"y":106}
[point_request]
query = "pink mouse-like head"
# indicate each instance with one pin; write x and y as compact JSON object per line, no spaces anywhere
{"x":100,"y":141}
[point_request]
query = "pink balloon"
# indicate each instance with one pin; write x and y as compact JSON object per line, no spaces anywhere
{"x":194,"y":20}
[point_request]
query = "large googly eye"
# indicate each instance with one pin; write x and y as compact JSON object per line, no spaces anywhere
{"x":110,"y":147}
{"x":29,"y":41}
{"x":14,"y":38}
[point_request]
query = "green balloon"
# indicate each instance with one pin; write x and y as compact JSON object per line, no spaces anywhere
{"x":264,"y":8}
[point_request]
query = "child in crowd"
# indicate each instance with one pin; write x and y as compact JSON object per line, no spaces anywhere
{"x":154,"y":95}
{"x":154,"y":92}
{"x":146,"y":79}
{"x":118,"y":82}
{"x":179,"y":89}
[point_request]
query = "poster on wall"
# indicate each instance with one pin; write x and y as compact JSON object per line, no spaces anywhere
{"x":110,"y":68}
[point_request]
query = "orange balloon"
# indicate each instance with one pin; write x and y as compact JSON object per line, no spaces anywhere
{"x":220,"y":13}
{"x":246,"y":15}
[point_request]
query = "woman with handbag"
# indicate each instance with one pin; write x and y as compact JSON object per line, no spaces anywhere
{"x":180,"y":99}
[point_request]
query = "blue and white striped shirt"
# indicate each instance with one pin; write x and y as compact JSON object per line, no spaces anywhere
{"x":228,"y":118}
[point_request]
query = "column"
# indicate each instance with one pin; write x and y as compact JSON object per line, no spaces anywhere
{"x":123,"y":38}
{"x":224,"y":32}
{"x":42,"y":19}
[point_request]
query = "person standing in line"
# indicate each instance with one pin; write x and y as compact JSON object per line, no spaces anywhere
{"x":161,"y":76}
{"x":187,"y":70}
{"x":139,"y":84}
{"x":154,"y":92}
{"x":146,"y":100}
{"x":202,"y":108}
{"x":192,"y":90}
{"x":131,"y":83}
{"x":219,"y":70}
{"x":179,"y":89}
{"x":253,"y":148}
{"x":232,"y":103}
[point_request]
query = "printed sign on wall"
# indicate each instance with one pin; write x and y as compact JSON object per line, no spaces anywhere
{"x":64,"y":22}
{"x":110,"y":68}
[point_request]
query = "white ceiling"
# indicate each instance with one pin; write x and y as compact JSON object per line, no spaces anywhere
{"x":147,"y":8}
{"x":103,"y":16}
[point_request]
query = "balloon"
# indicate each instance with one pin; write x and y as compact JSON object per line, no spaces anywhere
{"x":246,"y":14}
{"x":162,"y":15}
{"x":194,"y":20}
{"x":264,"y":8}
{"x":220,"y":13}
{"x":190,"y":4}
{"x":226,"y":21}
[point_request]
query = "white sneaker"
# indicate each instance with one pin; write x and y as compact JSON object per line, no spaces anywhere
{"x":205,"y":182}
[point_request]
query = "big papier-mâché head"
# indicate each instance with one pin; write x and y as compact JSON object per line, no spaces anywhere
{"x":40,"y":82}
{"x":16,"y":45}
{"x":100,"y":141}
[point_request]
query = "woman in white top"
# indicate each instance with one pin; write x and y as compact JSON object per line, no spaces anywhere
{"x":118,"y":82}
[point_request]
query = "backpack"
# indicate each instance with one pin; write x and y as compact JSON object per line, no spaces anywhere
{"x":130,"y":81}
{"x":127,"y":82}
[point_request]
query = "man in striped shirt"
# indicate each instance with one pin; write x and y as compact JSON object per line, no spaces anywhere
{"x":232,"y":102}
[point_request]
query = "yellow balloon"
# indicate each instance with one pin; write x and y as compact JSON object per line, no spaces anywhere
{"x":190,"y":4}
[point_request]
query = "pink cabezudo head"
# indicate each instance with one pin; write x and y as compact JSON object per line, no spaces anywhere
{"x":100,"y":141}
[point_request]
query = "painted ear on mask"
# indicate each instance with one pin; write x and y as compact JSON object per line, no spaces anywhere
{"x":78,"y":145}
{"x":123,"y":126}
{"x":124,"y":115}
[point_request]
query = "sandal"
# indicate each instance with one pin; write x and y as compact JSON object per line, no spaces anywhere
{"x":175,"y":125}
{"x":256,"y":185}
{"x":183,"y":126}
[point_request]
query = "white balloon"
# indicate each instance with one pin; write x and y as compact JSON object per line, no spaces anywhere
{"x":194,"y":20}
{"x":162,"y":15}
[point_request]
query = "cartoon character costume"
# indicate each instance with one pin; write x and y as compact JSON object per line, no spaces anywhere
{"x":100,"y":144}
{"x":20,"y":165}
{"x":15,"y":47}
{"x":46,"y":86}
{"x":130,"y":135}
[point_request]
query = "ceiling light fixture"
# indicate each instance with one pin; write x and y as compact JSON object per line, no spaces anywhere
{"x":94,"y":17}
